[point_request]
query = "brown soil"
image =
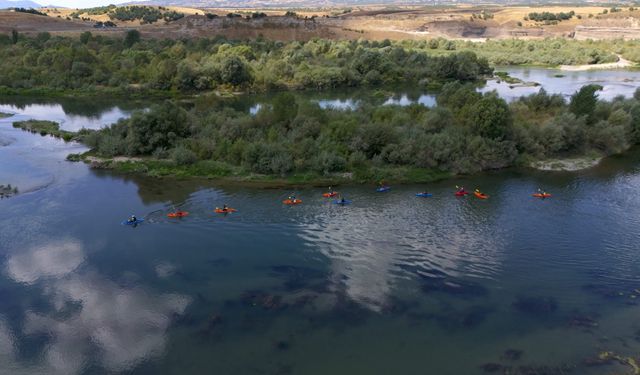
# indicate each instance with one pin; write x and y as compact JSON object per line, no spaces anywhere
{"x":372,"y":22}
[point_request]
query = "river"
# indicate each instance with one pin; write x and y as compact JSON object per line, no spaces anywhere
{"x":389,"y":284}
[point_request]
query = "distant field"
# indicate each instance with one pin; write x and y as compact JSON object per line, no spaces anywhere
{"x":369,"y":22}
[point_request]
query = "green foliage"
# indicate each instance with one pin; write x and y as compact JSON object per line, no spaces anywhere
{"x":217,"y":64}
{"x":548,"y":16}
{"x":131,"y":37}
{"x":30,"y":11}
{"x":45,"y":128}
{"x":583,"y":102}
{"x":291,"y":138}
{"x":143,"y":13}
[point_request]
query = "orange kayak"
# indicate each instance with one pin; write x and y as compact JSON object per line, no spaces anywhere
{"x":224,"y":210}
{"x":292,"y":202}
{"x":330,"y":195}
{"x":480,"y":195}
{"x":545,"y":195}
{"x":178,"y":214}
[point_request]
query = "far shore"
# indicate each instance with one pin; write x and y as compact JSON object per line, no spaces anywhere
{"x":622,"y":63}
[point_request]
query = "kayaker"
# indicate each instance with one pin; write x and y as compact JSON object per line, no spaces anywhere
{"x":330,"y":190}
{"x":342,"y":200}
{"x":133,"y":218}
{"x":224,"y":207}
{"x":461,"y":190}
{"x":292,"y":198}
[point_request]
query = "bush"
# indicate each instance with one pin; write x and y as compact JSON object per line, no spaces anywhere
{"x":183,"y":156}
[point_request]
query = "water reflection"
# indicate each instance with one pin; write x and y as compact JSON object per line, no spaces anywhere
{"x":89,"y":312}
{"x":71,"y":114}
{"x":374,"y":249}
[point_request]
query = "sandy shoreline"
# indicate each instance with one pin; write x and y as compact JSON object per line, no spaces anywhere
{"x":622,"y":63}
{"x":566,"y":165}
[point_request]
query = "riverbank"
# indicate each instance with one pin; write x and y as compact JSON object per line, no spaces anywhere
{"x":567,"y":165}
{"x":223,"y":172}
{"x":622,"y":63}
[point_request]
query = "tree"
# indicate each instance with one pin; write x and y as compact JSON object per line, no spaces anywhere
{"x":584,"y":101}
{"x":235,"y":71}
{"x":161,"y":127}
{"x":85,"y":37}
{"x":491,"y":118}
{"x":132,"y":37}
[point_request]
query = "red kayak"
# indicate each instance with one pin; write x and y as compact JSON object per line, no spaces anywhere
{"x":292,"y":202}
{"x":481,"y":195}
{"x":461,"y":193}
{"x":178,"y":214}
{"x":330,"y":195}
{"x":542,"y":196}
{"x":224,"y":210}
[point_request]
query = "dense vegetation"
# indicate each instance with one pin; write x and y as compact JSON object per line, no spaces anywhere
{"x":96,"y":11}
{"x":548,"y":16}
{"x":144,"y":14}
{"x":545,"y":51}
{"x":467,"y":132}
{"x":30,"y":11}
{"x":44,"y":127}
{"x":96,"y":62}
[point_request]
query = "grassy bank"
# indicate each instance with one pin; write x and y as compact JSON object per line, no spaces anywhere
{"x":46,"y":128}
{"x":215,"y":170}
{"x":5,"y":115}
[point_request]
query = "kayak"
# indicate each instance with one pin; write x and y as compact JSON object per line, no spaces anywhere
{"x":292,"y":202}
{"x":177,"y":214}
{"x":383,"y":189}
{"x":127,"y":222}
{"x":480,"y":195}
{"x":545,"y":195}
{"x":342,"y":203}
{"x":461,"y":193}
{"x":330,"y":195}
{"x":224,"y":210}
{"x":424,"y":195}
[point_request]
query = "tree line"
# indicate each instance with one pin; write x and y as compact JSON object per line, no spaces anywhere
{"x":94,"y":62}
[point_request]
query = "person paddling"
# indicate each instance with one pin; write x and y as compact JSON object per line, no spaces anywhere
{"x":133,"y":218}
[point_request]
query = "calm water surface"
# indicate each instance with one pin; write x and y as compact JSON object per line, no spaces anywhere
{"x":389,"y":284}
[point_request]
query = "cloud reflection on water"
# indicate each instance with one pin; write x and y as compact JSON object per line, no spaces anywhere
{"x":105,"y":324}
{"x":372,"y":256}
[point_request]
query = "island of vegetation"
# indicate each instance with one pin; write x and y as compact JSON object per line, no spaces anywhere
{"x":297,"y":141}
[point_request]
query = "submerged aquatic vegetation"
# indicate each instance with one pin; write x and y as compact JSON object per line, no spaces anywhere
{"x":8,"y":191}
{"x":269,"y":302}
{"x":609,"y":358}
{"x":297,"y":277}
{"x":534,"y":305}
{"x":460,"y":288}
{"x":582,"y":321}
{"x":512,"y":354}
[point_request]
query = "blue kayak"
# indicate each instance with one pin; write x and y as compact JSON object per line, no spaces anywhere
{"x":383,"y":189}
{"x":342,"y":203}
{"x":127,"y":222}
{"x":424,"y":195}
